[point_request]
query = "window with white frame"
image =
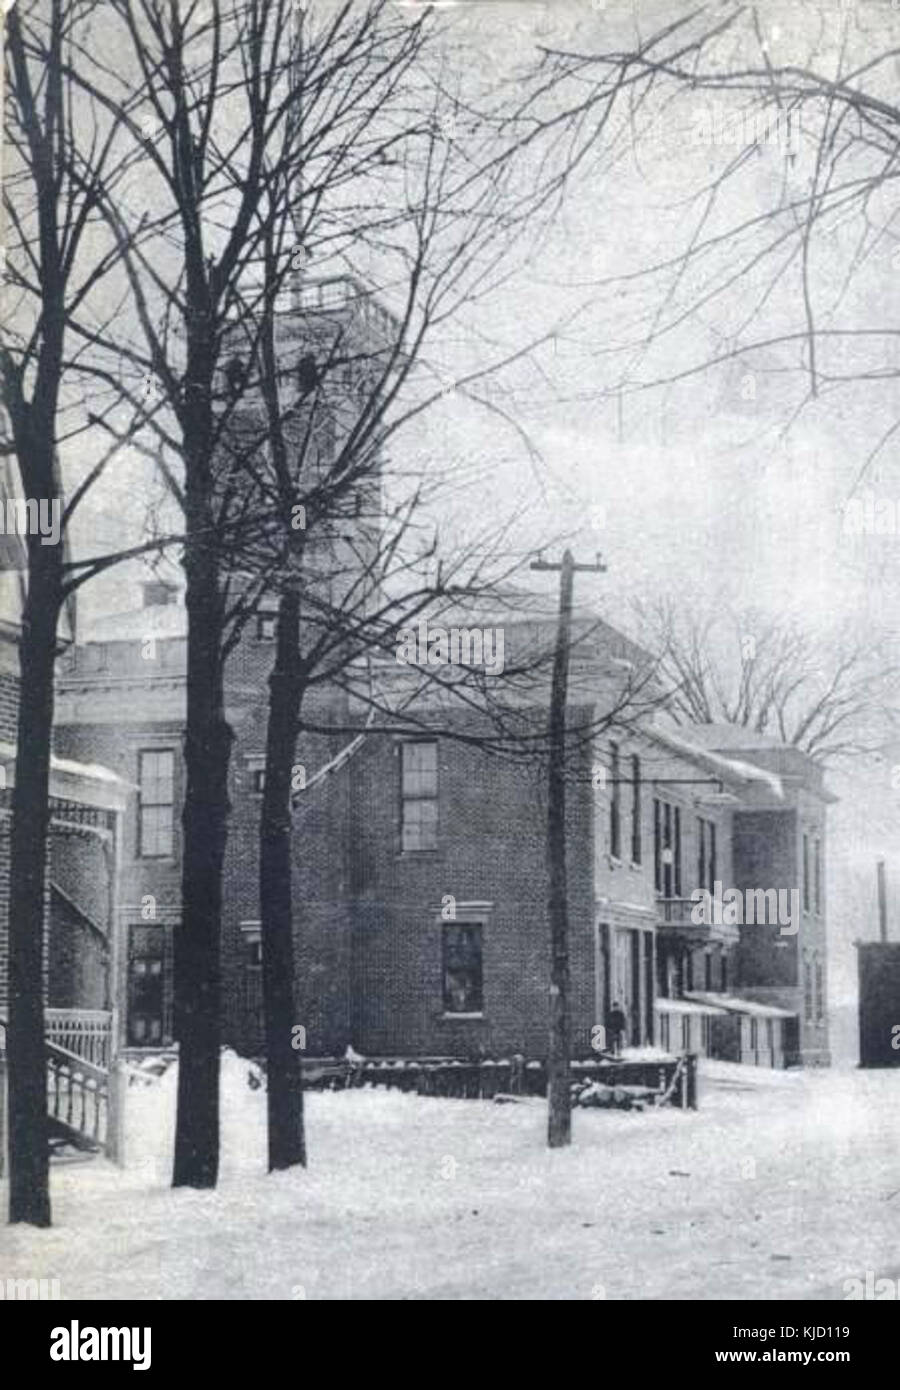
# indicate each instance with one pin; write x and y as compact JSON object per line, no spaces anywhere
{"x":462,"y":967}
{"x":156,"y":803}
{"x":418,"y":795}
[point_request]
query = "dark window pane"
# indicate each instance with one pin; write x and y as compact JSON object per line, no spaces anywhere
{"x":462,"y":967}
{"x":636,"y":847}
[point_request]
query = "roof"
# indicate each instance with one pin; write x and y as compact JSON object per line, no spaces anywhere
{"x":94,"y":785}
{"x":730,"y":769}
{"x":161,"y":620}
{"x":688,"y":1006}
{"x":723,"y":736}
{"x":730,"y":1003}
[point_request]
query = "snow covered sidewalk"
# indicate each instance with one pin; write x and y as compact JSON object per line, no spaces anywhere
{"x":782,"y":1185}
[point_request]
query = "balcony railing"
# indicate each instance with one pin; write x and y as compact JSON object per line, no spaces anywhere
{"x":86,"y":1033}
{"x":675,"y":917}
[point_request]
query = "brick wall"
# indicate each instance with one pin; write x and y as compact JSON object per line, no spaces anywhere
{"x":9,"y":706}
{"x":78,"y":960}
{"x":491,"y":848}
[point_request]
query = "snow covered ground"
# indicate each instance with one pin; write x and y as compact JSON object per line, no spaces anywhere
{"x":782,"y":1185}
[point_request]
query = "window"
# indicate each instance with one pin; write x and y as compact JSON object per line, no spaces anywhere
{"x":635,"y":809}
{"x":808,"y":991}
{"x":706,"y":854}
{"x":615,"y":804}
{"x":156,"y":804}
{"x":148,"y":986}
{"x":806,"y":873}
{"x":817,"y":876}
{"x":462,"y":973}
{"x":253,"y":997}
{"x":754,"y":1034}
{"x":820,"y":992}
{"x":667,"y":848}
{"x":707,"y":972}
{"x":724,"y":981}
{"x":258,"y":775}
{"x":676,"y":850}
{"x":418,"y":796}
{"x":770,"y":1034}
{"x":266,"y":624}
{"x":657,"y":845}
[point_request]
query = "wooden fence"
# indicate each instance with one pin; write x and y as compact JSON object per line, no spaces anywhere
{"x":674,"y":1080}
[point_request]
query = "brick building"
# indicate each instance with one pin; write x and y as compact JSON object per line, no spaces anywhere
{"x":419,"y":874}
{"x":419,"y":880}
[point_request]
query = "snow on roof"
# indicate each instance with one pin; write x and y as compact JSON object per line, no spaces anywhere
{"x":722,"y":735}
{"x":731,"y":769}
{"x":160,"y":620}
{"x":68,"y":767}
{"x":688,"y":1006}
{"x":730,"y":1003}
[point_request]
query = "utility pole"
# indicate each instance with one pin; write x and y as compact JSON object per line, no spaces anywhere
{"x":559,"y":1104}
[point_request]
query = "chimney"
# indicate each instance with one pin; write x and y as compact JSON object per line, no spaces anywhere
{"x":158,"y":594}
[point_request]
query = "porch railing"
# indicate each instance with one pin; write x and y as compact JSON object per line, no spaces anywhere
{"x":78,"y":1088}
{"x":77,"y":1094}
{"x":87,"y":1033}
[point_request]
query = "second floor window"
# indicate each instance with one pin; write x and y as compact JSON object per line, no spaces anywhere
{"x":615,"y":804}
{"x":635,"y":809}
{"x":706,"y":854}
{"x":806,"y":873}
{"x":266,"y":626}
{"x":667,"y":849}
{"x":418,"y":795}
{"x":817,"y":876}
{"x":156,"y":804}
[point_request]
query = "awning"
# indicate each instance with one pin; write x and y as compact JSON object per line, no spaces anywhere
{"x":688,"y":1006}
{"x":729,"y":1003}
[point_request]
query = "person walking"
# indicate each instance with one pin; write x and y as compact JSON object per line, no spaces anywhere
{"x":615,"y":1027}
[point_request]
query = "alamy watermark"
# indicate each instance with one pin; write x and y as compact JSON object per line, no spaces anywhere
{"x":26,"y":1290}
{"x":752,"y":906}
{"x":868,"y":515}
{"x":455,"y":646}
{"x":32,"y":516}
{"x":716,"y":124}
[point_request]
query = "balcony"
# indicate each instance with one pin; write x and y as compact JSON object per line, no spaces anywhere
{"x":677,"y":920}
{"x":338,"y":299}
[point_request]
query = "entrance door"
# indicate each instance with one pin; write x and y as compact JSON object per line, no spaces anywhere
{"x":634,"y":1011}
{"x":602,"y":974}
{"x":146,"y":1024}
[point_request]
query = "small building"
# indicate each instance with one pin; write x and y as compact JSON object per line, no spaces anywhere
{"x":879,"y":1003}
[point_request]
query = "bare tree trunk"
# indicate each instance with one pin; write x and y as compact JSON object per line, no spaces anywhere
{"x":208,"y":740}
{"x":29,"y":1184}
{"x":559,"y":1103}
{"x":287,"y":1142}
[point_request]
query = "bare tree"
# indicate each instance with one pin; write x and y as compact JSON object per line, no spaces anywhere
{"x":58,"y":155}
{"x":261,"y":163}
{"x":832,"y":698}
{"x":782,"y":279}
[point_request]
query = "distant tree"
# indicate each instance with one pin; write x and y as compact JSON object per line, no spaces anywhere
{"x":831,"y":698}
